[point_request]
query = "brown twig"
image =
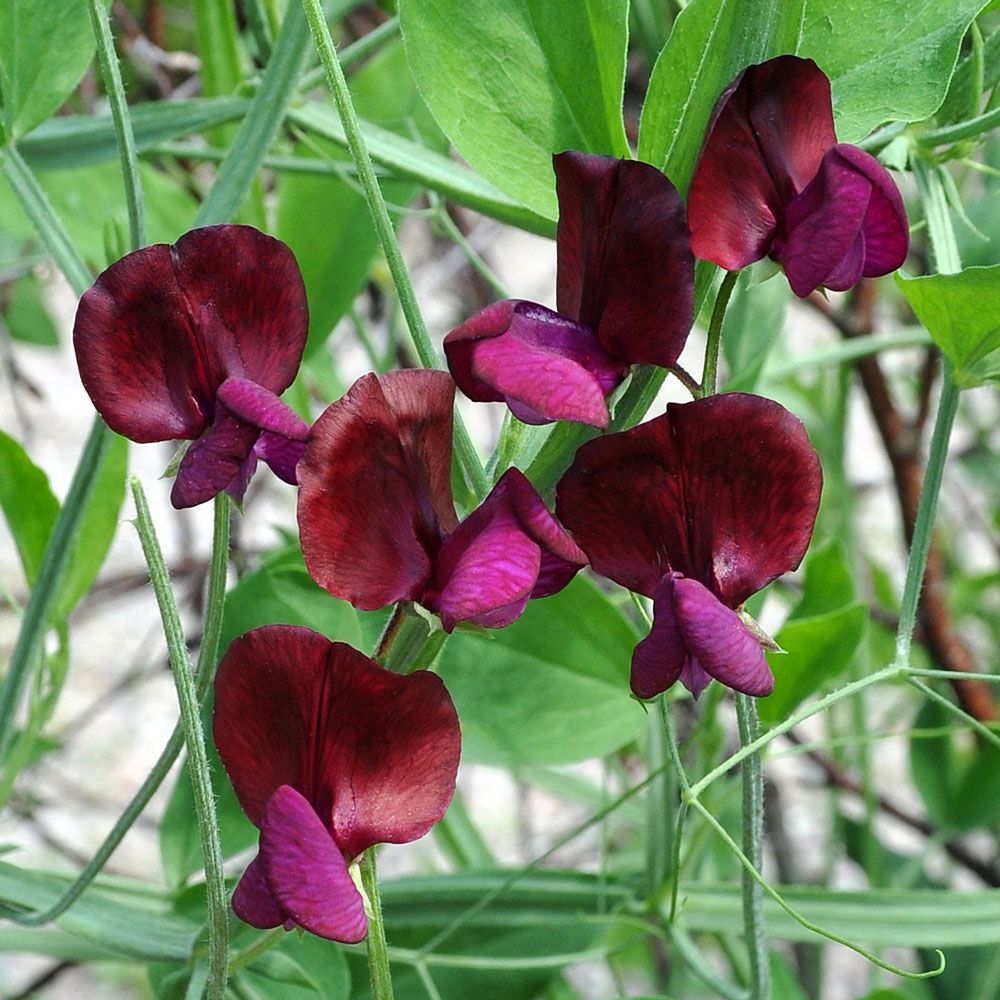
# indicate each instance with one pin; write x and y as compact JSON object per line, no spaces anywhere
{"x":902,"y":443}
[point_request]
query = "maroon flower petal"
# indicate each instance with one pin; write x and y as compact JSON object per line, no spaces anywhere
{"x":490,"y":565}
{"x":522,"y":353}
{"x":625,"y":268}
{"x":215,"y":462}
{"x":658,"y":659}
{"x":375,"y":489}
{"x":770,"y":130}
{"x":281,"y":454}
{"x":694,"y":677}
{"x":306,"y":872}
{"x":821,"y":243}
{"x":253,"y":901}
{"x":163,"y":327}
{"x":256,"y":405}
{"x":723,"y":490}
{"x":375,"y":753}
{"x":719,"y":641}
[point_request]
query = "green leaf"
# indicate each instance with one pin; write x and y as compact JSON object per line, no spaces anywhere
{"x":301,"y":967}
{"x":957,"y":775}
{"x":119,"y":922}
{"x":751,"y":327}
{"x":28,"y":504}
{"x":45,"y":48}
{"x":711,"y":43}
{"x":26,"y":315}
{"x":513,"y":83}
{"x":550,"y":689}
{"x":885,"y":60}
{"x":962,"y":314}
{"x":80,"y":140}
{"x":829,"y":585}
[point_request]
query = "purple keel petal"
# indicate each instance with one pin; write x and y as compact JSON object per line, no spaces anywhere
{"x":657,"y":661}
{"x":253,"y":901}
{"x":256,"y":405}
{"x":214,"y":461}
{"x":694,"y":677}
{"x":281,"y":454}
{"x":719,"y":641}
{"x":306,"y":871}
{"x":526,"y":354}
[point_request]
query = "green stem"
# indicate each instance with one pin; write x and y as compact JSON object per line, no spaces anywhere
{"x":714,"y":342}
{"x":378,"y":955}
{"x":267,"y":940}
{"x":753,"y":848}
{"x":988,"y":734}
{"x":108,"y":59}
{"x":355,"y":52}
{"x":194,"y":738}
{"x":963,"y":130}
{"x":469,"y":460}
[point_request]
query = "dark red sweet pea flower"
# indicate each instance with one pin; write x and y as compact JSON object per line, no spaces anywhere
{"x":377,"y":521}
{"x":328,"y":754}
{"x":773,"y":180}
{"x":625,"y":295}
{"x":698,"y":509}
{"x":194,"y":342}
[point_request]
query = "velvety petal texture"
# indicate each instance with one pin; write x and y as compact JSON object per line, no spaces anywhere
{"x":375,"y":490}
{"x":772,"y":180}
{"x":625,"y":296}
{"x":699,"y":508}
{"x":328,"y":753}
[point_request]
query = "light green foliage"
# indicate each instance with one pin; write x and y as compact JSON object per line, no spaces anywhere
{"x":550,"y":689}
{"x":962,"y":314}
{"x":513,"y":83}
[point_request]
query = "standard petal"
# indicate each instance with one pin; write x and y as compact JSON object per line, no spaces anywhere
{"x":374,"y":487}
{"x":375,"y":753}
{"x":535,"y":359}
{"x":719,"y":641}
{"x":306,"y":872}
{"x":215,"y":461}
{"x":752,"y":484}
{"x":658,"y":659}
{"x":253,"y":901}
{"x":625,"y":268}
{"x":770,"y":130}
{"x":163,"y":327}
{"x":821,"y":242}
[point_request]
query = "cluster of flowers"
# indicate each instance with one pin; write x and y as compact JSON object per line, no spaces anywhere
{"x":698,"y":508}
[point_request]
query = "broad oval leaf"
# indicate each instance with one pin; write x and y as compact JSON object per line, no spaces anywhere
{"x":550,"y":689}
{"x":513,"y":83}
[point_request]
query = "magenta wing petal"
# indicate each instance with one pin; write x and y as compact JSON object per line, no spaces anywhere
{"x":770,"y":130}
{"x":752,"y":484}
{"x":256,"y":405}
{"x":658,"y":659}
{"x":253,"y":901}
{"x":492,"y":563}
{"x":215,"y":462}
{"x":375,"y":491}
{"x":306,"y":872}
{"x":281,"y":454}
{"x":625,"y":268}
{"x":376,"y":753}
{"x":719,"y":641}
{"x":532,"y":358}
{"x":163,"y":327}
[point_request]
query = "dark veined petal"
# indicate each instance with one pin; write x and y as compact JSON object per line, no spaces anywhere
{"x":258,"y":406}
{"x":216,"y":462}
{"x":658,"y":659}
{"x":375,"y":753}
{"x":306,"y":872}
{"x":162,"y":328}
{"x":492,"y":563}
{"x":770,"y":130}
{"x":375,"y":490}
{"x":720,"y":643}
{"x":723,"y":490}
{"x":253,"y":901}
{"x":532,"y":358}
{"x":281,"y":454}
{"x":625,"y":268}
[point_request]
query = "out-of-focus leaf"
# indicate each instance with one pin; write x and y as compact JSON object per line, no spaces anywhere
{"x":962,"y":314}
{"x":26,"y":317}
{"x":550,"y":689}
{"x":958,"y":776}
{"x":513,"y":83}
{"x":752,"y":326}
{"x":45,"y":48}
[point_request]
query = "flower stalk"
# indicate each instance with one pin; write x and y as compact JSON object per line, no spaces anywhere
{"x":378,"y":954}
